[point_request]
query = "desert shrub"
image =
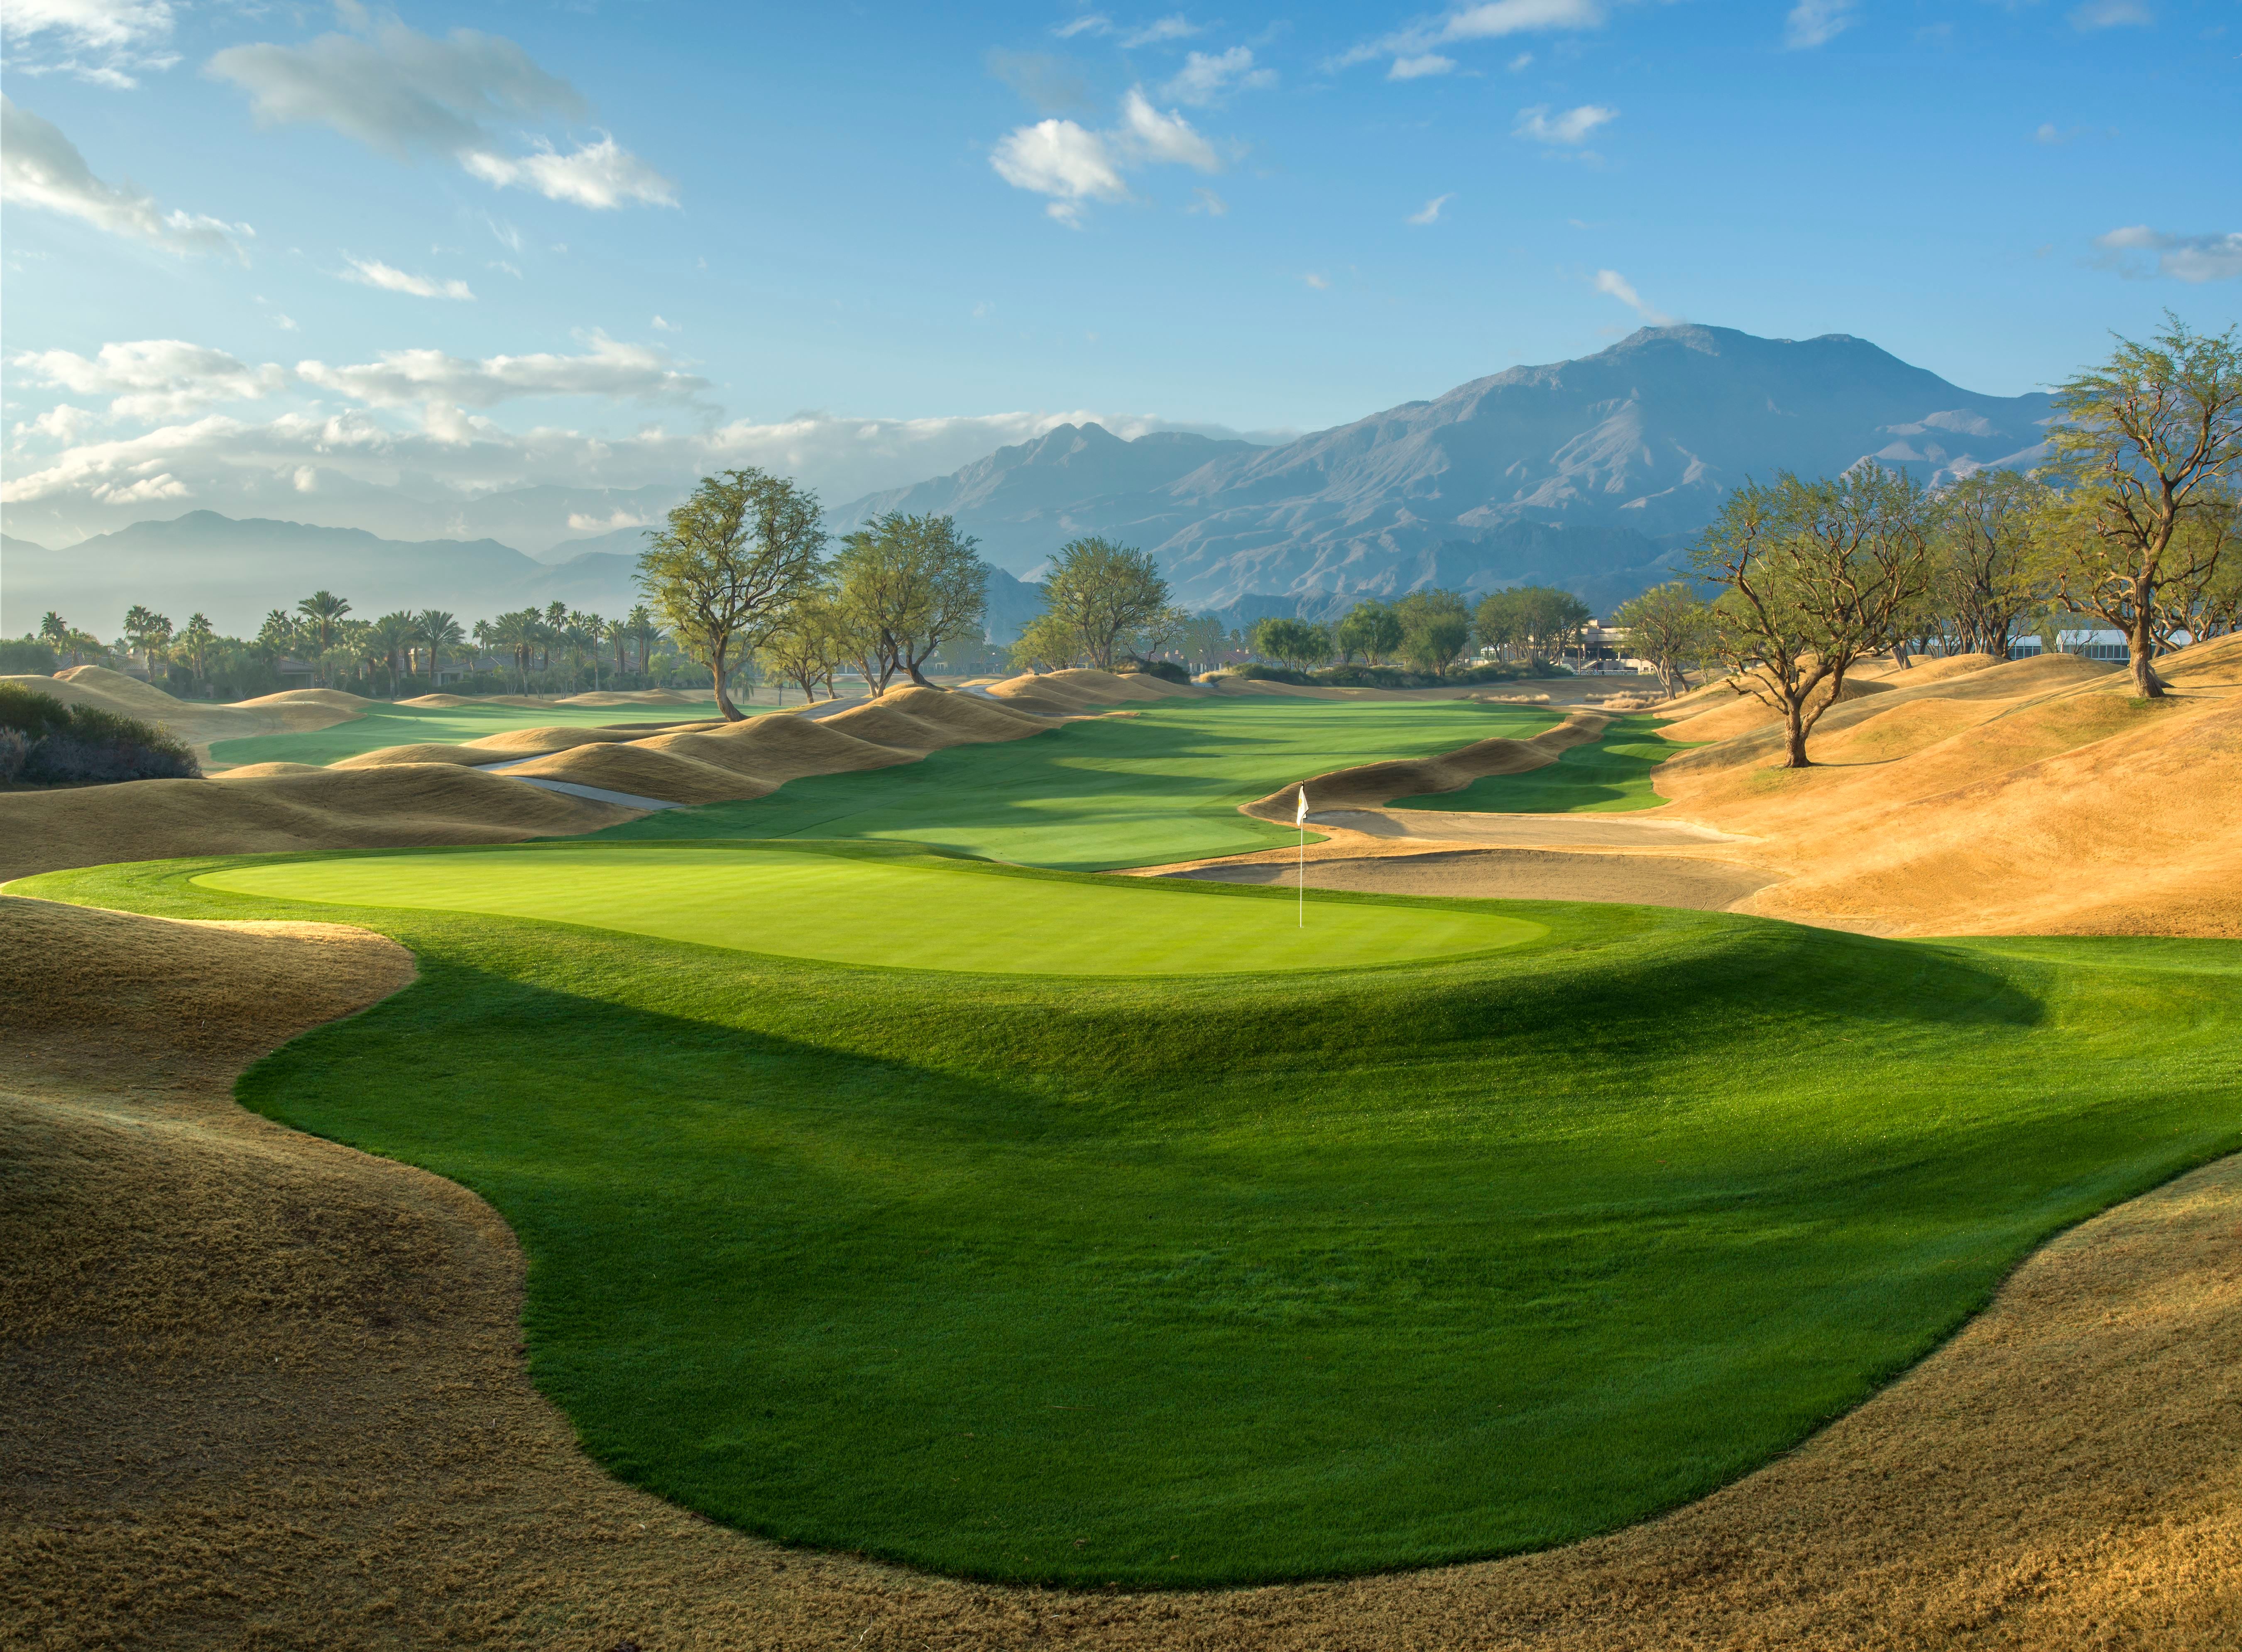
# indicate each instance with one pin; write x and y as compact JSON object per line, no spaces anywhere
{"x":63,"y":744}
{"x":14,"y":751}
{"x":26,"y":657}
{"x":1166,"y":670}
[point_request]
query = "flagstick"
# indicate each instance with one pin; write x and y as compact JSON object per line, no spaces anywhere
{"x":1302,"y":879}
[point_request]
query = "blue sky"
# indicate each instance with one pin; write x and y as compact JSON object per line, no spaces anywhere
{"x":356,"y":266}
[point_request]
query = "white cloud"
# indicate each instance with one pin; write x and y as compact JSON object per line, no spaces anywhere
{"x":1612,"y":282}
{"x":41,"y":168}
{"x":371,"y":273}
{"x":1814,"y":23}
{"x":1570,"y":127}
{"x":153,"y":379}
{"x":101,"y":41}
{"x":407,"y":377}
{"x":1160,"y":31}
{"x":2193,"y":258}
{"x":1206,"y":203}
{"x":1155,"y":137}
{"x":1320,"y":283}
{"x":601,"y":176}
{"x":1492,"y":20}
{"x":1207,"y":79}
{"x":1416,"y":68}
{"x":1431,"y":214}
{"x":1096,"y":22}
{"x":660,"y":325}
{"x":1521,"y":63}
{"x":1074,"y":165}
{"x":404,"y":93}
{"x":2111,"y":13}
{"x":61,"y":423}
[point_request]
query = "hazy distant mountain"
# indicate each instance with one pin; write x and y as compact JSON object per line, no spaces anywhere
{"x":235,"y":572}
{"x":1592,"y":474}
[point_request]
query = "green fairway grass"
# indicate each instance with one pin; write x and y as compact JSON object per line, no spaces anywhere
{"x":382,"y":725}
{"x":1205,"y":1279}
{"x":1609,"y":775}
{"x":1161,"y":785}
{"x":882,"y":903}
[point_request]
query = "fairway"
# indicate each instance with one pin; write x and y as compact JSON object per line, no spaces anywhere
{"x":1155,"y":785}
{"x":1208,"y":1278}
{"x":381,"y":725}
{"x":1609,"y":775}
{"x":883,"y":907}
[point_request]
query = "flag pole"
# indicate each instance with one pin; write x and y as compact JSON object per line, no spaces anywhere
{"x":1300,"y":816}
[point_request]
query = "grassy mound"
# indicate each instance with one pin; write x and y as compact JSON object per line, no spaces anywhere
{"x":1608,"y":774}
{"x":1213,"y":1279}
{"x":411,"y":724}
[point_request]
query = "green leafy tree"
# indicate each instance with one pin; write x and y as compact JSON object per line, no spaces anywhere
{"x":643,"y":630}
{"x":2144,"y":445}
{"x":1047,"y":643}
{"x":196,"y":642}
{"x":396,"y":634}
{"x":731,"y":561}
{"x":1103,"y":594}
{"x":1818,"y":573}
{"x":1372,"y":628}
{"x":1203,"y":640}
{"x":1671,"y":626}
{"x":1990,"y":569}
{"x":323,"y":611}
{"x":1298,"y":644}
{"x":1435,"y":625}
{"x":807,"y":647}
{"x":908,"y":585}
{"x":436,"y":632}
{"x":55,"y":631}
{"x":147,"y":634}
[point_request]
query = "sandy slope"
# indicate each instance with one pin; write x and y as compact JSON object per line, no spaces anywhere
{"x":267,"y":1392}
{"x":2036,"y":795}
{"x":291,"y":711}
{"x":1372,"y":784}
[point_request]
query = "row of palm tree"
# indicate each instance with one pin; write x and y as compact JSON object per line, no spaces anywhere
{"x":532,"y":637}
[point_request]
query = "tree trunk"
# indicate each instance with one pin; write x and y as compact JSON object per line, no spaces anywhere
{"x":2141,"y":651}
{"x":911,"y":665}
{"x":716,"y":670}
{"x":1794,"y":722}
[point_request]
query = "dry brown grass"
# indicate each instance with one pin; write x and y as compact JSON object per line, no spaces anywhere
{"x":265,"y":1392}
{"x":197,"y":722}
{"x":1368,"y":785}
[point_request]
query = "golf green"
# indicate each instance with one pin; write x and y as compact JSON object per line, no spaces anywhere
{"x":1610,"y":774}
{"x":1212,"y":1279}
{"x":885,"y":905}
{"x":1158,"y":784}
{"x":382,"y":725}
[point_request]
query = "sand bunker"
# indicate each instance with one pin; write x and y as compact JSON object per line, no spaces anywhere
{"x":265,"y":1390}
{"x":1517,"y":875}
{"x":309,"y":809}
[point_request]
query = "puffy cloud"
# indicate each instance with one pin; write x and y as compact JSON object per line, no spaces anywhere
{"x":102,"y":41}
{"x":403,"y":93}
{"x":39,"y":167}
{"x":151,"y":378}
{"x":1431,"y":212}
{"x":1618,"y":286}
{"x":2184,"y":258}
{"x":1815,"y":23}
{"x":1415,"y":43}
{"x":1062,"y":160}
{"x":371,"y":273}
{"x":407,"y":377}
{"x":1569,"y":127}
{"x":1207,"y":77}
{"x":601,"y":176}
{"x":1169,"y":137}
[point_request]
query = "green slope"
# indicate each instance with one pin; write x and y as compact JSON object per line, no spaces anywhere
{"x":1203,"y":1278}
{"x":1610,"y":774}
{"x":1160,"y":786}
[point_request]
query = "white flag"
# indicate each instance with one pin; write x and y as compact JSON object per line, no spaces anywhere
{"x":1301,"y":814}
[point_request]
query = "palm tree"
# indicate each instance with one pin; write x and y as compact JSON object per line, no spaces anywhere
{"x":394,"y":632}
{"x":325,"y":610}
{"x":199,"y":634}
{"x":518,"y":633}
{"x":148,"y":632}
{"x":594,"y":630}
{"x":643,"y":629}
{"x":439,"y":631}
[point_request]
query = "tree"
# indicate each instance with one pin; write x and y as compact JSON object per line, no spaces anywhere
{"x":1435,"y":625}
{"x":1671,"y":626}
{"x":437,"y":631}
{"x":1298,"y":643}
{"x":517,"y":634}
{"x":1818,"y":573}
{"x":396,"y":633}
{"x":1203,"y":639}
{"x":1101,"y":593}
{"x":196,"y":642}
{"x":1047,"y":643}
{"x":55,"y":631}
{"x":279,"y":635}
{"x":732,"y":560}
{"x":1371,"y":629}
{"x":908,"y":585}
{"x":1551,"y":618}
{"x":643,"y":631}
{"x":806,"y":647}
{"x":2144,"y":445}
{"x":324,"y":611}
{"x":1988,"y":569}
{"x":147,"y":634}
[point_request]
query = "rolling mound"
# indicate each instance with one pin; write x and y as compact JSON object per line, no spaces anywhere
{"x":1372,"y":784}
{"x":647,"y":772}
{"x":198,"y":722}
{"x":308,"y":809}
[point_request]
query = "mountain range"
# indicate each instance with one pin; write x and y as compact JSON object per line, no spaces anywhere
{"x":1592,"y":474}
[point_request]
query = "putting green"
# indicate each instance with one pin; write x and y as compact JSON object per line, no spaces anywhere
{"x":878,"y":906}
